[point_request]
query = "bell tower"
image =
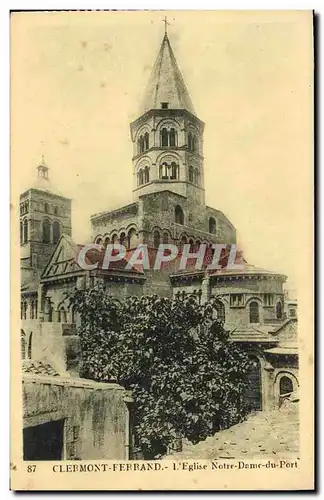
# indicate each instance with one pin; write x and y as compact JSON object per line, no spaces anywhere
{"x":168,"y":136}
{"x":44,"y":216}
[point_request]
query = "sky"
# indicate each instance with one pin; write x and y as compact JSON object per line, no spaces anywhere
{"x":77,"y":80}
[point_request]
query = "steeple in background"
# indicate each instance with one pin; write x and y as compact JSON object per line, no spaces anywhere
{"x":44,"y":216}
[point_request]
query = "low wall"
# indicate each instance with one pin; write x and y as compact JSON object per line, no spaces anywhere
{"x":96,"y":415}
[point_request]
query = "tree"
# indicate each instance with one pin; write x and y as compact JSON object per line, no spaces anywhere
{"x":187,"y":377}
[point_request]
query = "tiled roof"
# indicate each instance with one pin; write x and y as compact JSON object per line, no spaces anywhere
{"x":38,"y":368}
{"x":249,"y":333}
{"x":247,"y":270}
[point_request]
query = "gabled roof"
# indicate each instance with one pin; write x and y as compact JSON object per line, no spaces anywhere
{"x":166,"y":83}
{"x":64,"y":261}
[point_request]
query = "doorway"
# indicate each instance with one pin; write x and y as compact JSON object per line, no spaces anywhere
{"x":253,"y":391}
{"x":44,"y":442}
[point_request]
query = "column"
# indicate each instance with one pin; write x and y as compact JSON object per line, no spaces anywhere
{"x":40,"y":302}
{"x":205,"y":289}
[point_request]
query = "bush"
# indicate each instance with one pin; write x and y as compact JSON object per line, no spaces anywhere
{"x":187,"y":378}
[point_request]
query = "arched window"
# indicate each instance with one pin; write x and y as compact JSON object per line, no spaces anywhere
{"x":191,"y":243}
{"x":292,"y":313}
{"x":55,"y":211}
{"x":220,"y":309}
{"x":107,"y":241}
{"x":48,"y":309}
{"x":279,"y":310}
{"x":146,"y":141}
{"x":286,"y":385}
{"x":165,"y":238}
{"x":140,"y":177}
{"x":21,"y":233}
{"x":98,"y":240}
{"x":174,"y":170}
{"x":46,"y":208}
{"x":122,"y":238}
{"x":25,"y":231}
{"x":254,"y":312}
{"x":23,"y":344}
{"x":56,"y":231}
{"x":30,"y":345}
{"x":190,"y":141}
{"x":132,"y":238}
{"x":164,"y":171}
{"x":156,"y":239}
{"x":141,"y":141}
{"x":183,"y":240}
{"x":146,"y":175}
{"x":193,"y":148}
{"x":178,"y":215}
{"x":212,"y":225}
{"x":46,"y":231}
{"x":191,"y":177}
{"x":62,"y":318}
{"x":114,"y":239}
{"x":25,"y":310}
{"x":32,"y":310}
{"x":164,"y":137}
{"x":173,"y":137}
{"x":138,"y":146}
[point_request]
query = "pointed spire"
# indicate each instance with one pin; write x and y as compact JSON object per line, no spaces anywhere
{"x":166,"y":88}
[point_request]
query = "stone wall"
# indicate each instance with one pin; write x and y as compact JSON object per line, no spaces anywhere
{"x":96,"y":415}
{"x":249,"y":284}
{"x":53,"y":343}
{"x":43,"y":205}
{"x":115,"y":221}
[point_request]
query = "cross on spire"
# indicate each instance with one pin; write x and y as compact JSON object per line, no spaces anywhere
{"x":42,"y":153}
{"x":165,"y":25}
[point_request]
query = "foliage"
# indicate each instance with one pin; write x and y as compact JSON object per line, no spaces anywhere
{"x":188,"y":379}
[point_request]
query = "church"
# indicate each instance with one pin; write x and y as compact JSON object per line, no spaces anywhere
{"x":167,"y":206}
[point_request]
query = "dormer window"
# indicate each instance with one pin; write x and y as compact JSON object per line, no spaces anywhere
{"x":164,"y":105}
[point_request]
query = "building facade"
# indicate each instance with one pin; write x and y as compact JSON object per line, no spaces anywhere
{"x":168,"y":206}
{"x":168,"y":171}
{"x":251,"y":303}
